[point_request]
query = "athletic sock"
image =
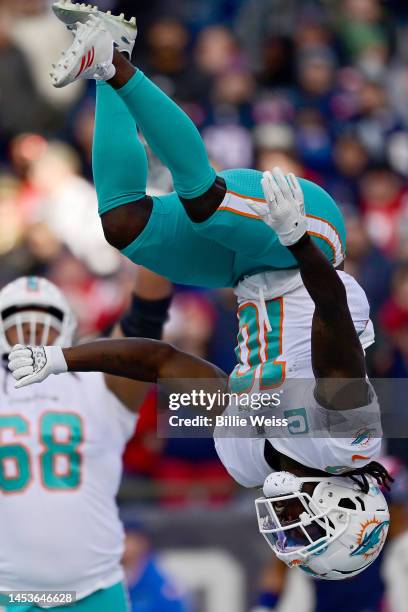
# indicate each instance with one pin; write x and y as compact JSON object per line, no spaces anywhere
{"x":171,"y":135}
{"x":119,"y":158}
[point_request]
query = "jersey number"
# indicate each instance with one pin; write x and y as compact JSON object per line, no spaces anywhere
{"x":60,"y":435}
{"x":258,"y":350}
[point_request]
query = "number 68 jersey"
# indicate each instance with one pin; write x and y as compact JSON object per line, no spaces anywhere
{"x":61,"y":446}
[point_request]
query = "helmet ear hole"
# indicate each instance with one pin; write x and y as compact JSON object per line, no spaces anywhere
{"x":346,"y":502}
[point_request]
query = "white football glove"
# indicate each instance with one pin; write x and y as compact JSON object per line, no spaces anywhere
{"x":285,"y":206}
{"x":32,"y":364}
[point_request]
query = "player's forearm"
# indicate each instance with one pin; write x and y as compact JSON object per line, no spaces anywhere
{"x":138,"y":359}
{"x":320,"y":278}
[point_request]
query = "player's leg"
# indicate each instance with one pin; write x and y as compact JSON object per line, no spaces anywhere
{"x":169,"y":244}
{"x":169,"y":132}
{"x":219,"y":209}
{"x":176,"y":141}
{"x":171,"y":135}
{"x":120,"y":169}
{"x":120,"y":173}
{"x":233,"y":225}
{"x":119,"y":160}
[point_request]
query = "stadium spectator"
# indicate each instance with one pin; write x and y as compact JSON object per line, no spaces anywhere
{"x":367,"y":263}
{"x":150,"y":589}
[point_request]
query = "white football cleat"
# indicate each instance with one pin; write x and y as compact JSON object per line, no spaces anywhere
{"x":89,"y":56}
{"x":123,"y":32}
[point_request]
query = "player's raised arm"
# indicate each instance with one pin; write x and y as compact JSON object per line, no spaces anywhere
{"x":138,"y":359}
{"x":337,"y":353}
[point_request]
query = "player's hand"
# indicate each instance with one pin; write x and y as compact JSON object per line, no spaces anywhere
{"x":32,"y":364}
{"x":285,"y":208}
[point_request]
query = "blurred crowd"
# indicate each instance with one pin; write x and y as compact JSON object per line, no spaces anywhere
{"x":317,"y":87}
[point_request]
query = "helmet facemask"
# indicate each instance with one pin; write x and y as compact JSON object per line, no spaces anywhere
{"x":332,"y":530}
{"x":30,"y":302}
{"x":31,"y":319}
{"x":294,"y":526}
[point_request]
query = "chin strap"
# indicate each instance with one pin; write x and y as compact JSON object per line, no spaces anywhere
{"x":374,"y":469}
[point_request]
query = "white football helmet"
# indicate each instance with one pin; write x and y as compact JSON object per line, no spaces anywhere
{"x":34,"y":300}
{"x":333,"y":533}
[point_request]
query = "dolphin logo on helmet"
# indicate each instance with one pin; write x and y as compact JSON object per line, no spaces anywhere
{"x":371,"y":539}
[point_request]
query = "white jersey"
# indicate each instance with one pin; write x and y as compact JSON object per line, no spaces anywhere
{"x":61,"y":446}
{"x":275,"y":354}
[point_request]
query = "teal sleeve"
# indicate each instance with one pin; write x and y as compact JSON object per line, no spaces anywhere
{"x":171,"y":135}
{"x":119,"y":159}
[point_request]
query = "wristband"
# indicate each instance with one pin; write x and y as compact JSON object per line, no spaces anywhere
{"x":56,"y":359}
{"x":145,"y":318}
